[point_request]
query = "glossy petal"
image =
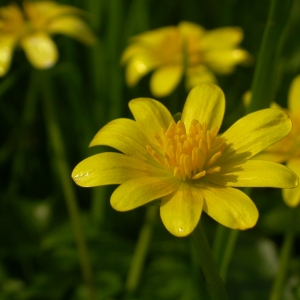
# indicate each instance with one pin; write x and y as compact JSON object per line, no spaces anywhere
{"x":40,"y":50}
{"x":151,"y":117}
{"x":7,"y":44}
{"x":254,"y":133}
{"x":205,"y":103}
{"x":165,"y":79}
{"x":223,"y":62}
{"x":181,"y":210}
{"x":292,"y":196}
{"x":139,"y":191}
{"x":254,"y":173}
{"x":123,"y":135}
{"x":228,"y":206}
{"x":222,"y":38}
{"x":294,"y":95}
{"x":110,"y":168}
{"x":73,"y":27}
{"x":199,"y":75}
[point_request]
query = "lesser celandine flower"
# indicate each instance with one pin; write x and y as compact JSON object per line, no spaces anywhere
{"x":288,"y":149}
{"x":187,"y":164}
{"x":31,"y":28}
{"x":187,"y":49}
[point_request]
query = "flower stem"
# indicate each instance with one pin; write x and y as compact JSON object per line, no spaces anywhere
{"x":265,"y":77}
{"x":141,"y":251}
{"x":278,"y":285}
{"x":65,"y":179}
{"x":209,"y":265}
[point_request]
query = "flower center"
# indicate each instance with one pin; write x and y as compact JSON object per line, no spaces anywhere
{"x":189,"y":155}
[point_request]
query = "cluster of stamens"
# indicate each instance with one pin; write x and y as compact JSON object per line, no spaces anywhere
{"x":189,"y":155}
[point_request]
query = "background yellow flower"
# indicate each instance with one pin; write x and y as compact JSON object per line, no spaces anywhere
{"x":186,"y":49}
{"x":186,"y":163}
{"x":31,"y":28}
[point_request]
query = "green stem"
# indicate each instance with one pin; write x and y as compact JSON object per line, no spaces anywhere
{"x":141,"y":251}
{"x":65,"y":179}
{"x":278,"y":285}
{"x":264,"y":82}
{"x":209,"y":265}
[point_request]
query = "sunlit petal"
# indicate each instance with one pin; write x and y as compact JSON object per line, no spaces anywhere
{"x":165,"y":79}
{"x":40,"y":50}
{"x":228,"y":206}
{"x":292,"y":196}
{"x":255,"y":173}
{"x":139,"y":191}
{"x":205,"y":103}
{"x":7,"y":44}
{"x":181,"y":210}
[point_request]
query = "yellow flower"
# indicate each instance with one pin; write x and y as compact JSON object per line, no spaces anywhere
{"x":187,"y":49}
{"x":31,"y":29}
{"x":186,"y":163}
{"x":288,"y":149}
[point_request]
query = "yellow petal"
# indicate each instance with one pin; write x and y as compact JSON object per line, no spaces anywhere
{"x":7,"y":44}
{"x":130,"y":51}
{"x":254,"y":173}
{"x":138,"y":66}
{"x":205,"y":103}
{"x":294,"y":95}
{"x":73,"y":27}
{"x":151,"y":117}
{"x":109,"y":168}
{"x":191,"y":29}
{"x":165,"y":79}
{"x":139,"y":191}
{"x":224,"y":61}
{"x":225,"y":37}
{"x":155,"y":37}
{"x":40,"y":50}
{"x":292,"y":196}
{"x":274,"y":156}
{"x":181,"y":210}
{"x":228,"y":206}
{"x":198,"y":75}
{"x":123,"y":135}
{"x":254,"y":133}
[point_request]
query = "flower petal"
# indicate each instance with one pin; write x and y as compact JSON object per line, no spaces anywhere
{"x":254,"y":133}
{"x":165,"y":79}
{"x":73,"y":27}
{"x":254,"y":173}
{"x":198,"y":75}
{"x":40,"y":50}
{"x":294,"y":95}
{"x":225,"y":37}
{"x":151,"y":117}
{"x":205,"y":103}
{"x":110,"y":168}
{"x":228,"y":206}
{"x":7,"y":44}
{"x":123,"y":135}
{"x":139,"y":191}
{"x":292,"y":196}
{"x":181,"y":210}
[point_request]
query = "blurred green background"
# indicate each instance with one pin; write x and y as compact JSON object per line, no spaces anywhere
{"x":86,"y":89}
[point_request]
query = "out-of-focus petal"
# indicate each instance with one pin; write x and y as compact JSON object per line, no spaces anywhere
{"x":292,"y":196}
{"x":205,"y":103}
{"x":228,"y":206}
{"x":254,"y":173}
{"x":7,"y":44}
{"x":40,"y":50}
{"x":189,"y":29}
{"x":181,"y":210}
{"x":151,"y":117}
{"x":111,"y":168}
{"x":139,"y":191}
{"x":73,"y":27}
{"x":254,"y":133}
{"x":222,"y":38}
{"x":165,"y":79}
{"x":294,"y":95}
{"x":198,"y":75}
